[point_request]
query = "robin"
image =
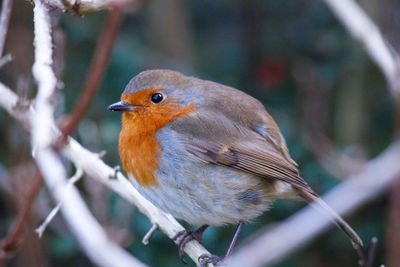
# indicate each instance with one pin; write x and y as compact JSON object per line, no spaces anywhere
{"x":207,"y":153}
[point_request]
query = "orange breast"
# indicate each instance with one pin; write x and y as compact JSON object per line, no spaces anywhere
{"x":138,"y":146}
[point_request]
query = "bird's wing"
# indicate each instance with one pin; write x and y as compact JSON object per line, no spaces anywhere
{"x":256,"y":156}
{"x":216,"y":139}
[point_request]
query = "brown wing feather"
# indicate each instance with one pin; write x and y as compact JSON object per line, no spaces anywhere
{"x":256,"y":156}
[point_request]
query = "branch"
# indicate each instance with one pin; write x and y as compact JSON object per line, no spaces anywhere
{"x":95,"y":242}
{"x":95,"y":168}
{"x":362,"y":28}
{"x":295,"y":231}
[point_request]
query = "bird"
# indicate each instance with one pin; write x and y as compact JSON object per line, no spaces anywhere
{"x":208,"y":154}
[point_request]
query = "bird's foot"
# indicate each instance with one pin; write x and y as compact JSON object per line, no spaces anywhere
{"x":206,"y":259}
{"x":185,"y":236}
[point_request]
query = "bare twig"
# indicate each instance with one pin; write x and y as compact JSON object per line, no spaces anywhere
{"x":101,"y":154}
{"x":345,"y":198}
{"x":147,"y":237}
{"x":372,"y":252}
{"x":12,"y":241}
{"x":95,"y":242}
{"x":4,"y":20}
{"x":4,"y":60}
{"x":95,"y":168}
{"x":40,"y":230}
{"x":97,"y":68}
{"x":9,"y":101}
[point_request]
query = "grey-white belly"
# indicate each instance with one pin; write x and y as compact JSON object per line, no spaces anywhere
{"x":211,"y":200}
{"x":208,"y":200}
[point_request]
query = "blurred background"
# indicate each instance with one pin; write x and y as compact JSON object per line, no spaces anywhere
{"x":330,"y":101}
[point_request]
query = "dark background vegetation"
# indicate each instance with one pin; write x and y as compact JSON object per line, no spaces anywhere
{"x":260,"y":47}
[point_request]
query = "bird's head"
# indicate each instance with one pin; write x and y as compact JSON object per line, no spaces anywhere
{"x":156,"y":97}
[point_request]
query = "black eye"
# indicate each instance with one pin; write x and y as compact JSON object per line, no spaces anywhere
{"x":157,"y":98}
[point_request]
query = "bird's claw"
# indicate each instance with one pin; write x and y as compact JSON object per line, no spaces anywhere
{"x":206,"y":259}
{"x":183,"y":237}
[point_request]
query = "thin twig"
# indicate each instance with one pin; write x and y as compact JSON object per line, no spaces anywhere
{"x":40,"y":230}
{"x":97,"y":68}
{"x":6,"y":9}
{"x":101,"y":154}
{"x":12,"y":241}
{"x":4,"y":60}
{"x":361,"y":256}
{"x":372,"y":252}
{"x":148,"y":235}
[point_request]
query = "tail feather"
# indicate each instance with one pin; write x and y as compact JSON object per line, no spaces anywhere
{"x":313,"y":198}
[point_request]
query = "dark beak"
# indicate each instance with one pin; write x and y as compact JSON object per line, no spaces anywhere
{"x":120,"y":106}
